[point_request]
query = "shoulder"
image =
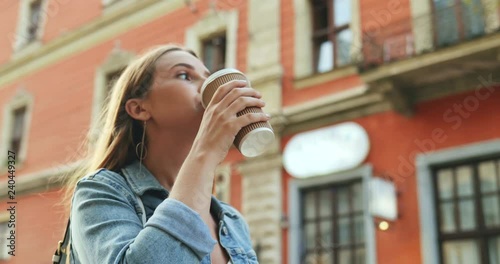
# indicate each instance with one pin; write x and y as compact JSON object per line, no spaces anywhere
{"x":103,"y":176}
{"x":103,"y":183}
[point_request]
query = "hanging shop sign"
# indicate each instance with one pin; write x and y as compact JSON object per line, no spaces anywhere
{"x":326,"y":150}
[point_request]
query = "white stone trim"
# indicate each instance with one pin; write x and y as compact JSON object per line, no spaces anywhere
{"x":357,"y":33}
{"x":262,"y":205}
{"x":107,"y":3}
{"x":21,"y":98}
{"x":5,"y":233}
{"x":326,"y":100}
{"x":329,"y":76}
{"x":429,"y":244}
{"x":491,"y":15}
{"x":211,"y":24}
{"x":422,"y":25}
{"x":303,"y":39}
{"x":256,"y":165}
{"x":330,"y":104}
{"x":303,"y":63}
{"x":116,"y":60}
{"x":264,"y":27}
{"x":294,"y":236}
{"x":224,"y":188}
{"x":4,"y":217}
{"x":40,"y":181}
{"x":110,"y":6}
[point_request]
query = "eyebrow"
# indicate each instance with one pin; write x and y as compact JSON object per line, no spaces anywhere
{"x":189,"y":66}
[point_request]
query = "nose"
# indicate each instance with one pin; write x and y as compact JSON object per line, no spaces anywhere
{"x":201,"y":81}
{"x":200,"y":84}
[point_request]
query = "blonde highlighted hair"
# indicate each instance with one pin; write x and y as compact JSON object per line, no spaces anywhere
{"x":118,"y":133}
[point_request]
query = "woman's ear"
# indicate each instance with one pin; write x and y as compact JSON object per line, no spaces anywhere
{"x":135,"y":109}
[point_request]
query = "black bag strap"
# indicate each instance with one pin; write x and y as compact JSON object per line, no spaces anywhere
{"x":61,"y":251}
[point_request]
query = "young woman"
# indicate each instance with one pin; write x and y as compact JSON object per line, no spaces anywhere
{"x":156,"y":153}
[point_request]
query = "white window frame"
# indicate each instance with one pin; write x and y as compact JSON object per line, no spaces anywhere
{"x":110,"y":6}
{"x":20,"y":46}
{"x":214,"y":23}
{"x":363,"y":173}
{"x":116,"y":60}
{"x":21,"y":99}
{"x":4,"y":220}
{"x":425,"y":187}
{"x":303,"y":62}
{"x":106,"y":3}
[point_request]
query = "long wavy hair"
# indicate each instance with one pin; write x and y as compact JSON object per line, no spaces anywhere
{"x":117,"y":132}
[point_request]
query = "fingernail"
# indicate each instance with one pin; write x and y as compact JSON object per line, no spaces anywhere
{"x":268,"y":115}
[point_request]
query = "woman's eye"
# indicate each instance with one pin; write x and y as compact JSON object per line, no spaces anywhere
{"x":184,"y":76}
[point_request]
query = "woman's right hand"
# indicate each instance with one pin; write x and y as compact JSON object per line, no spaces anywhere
{"x":220,"y":122}
{"x":218,"y":128}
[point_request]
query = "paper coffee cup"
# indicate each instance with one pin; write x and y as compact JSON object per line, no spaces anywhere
{"x":251,"y":140}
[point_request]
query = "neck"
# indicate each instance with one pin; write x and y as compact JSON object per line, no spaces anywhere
{"x":166,"y":154}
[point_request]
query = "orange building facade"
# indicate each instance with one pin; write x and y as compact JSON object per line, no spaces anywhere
{"x":416,"y":82}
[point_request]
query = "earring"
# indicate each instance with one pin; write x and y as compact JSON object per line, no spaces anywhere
{"x":140,"y":149}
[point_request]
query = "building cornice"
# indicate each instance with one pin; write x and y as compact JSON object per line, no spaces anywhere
{"x":316,"y":79}
{"x":100,"y":30}
{"x":259,"y":164}
{"x":39,"y":181}
{"x":349,"y":104}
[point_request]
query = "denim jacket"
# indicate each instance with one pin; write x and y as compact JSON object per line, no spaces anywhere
{"x":106,"y":224}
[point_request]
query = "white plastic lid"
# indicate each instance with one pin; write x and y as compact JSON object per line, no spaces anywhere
{"x":256,"y":142}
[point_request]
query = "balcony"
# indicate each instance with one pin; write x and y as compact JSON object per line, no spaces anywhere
{"x":448,"y":50}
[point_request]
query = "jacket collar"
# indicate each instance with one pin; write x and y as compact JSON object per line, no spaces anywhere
{"x":142,"y":180}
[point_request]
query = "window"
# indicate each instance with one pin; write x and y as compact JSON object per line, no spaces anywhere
{"x":27,"y":37}
{"x":332,"y":34}
{"x":15,"y":128}
{"x":330,"y":220}
{"x":106,"y":75}
{"x":333,"y":224}
{"x":457,"y":20}
{"x":214,"y":38}
{"x":214,"y":52}
{"x":467,"y":198}
{"x":35,"y":14}
{"x":17,"y":133}
{"x":429,"y":167}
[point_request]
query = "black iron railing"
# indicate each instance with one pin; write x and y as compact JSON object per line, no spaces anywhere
{"x":445,"y":25}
